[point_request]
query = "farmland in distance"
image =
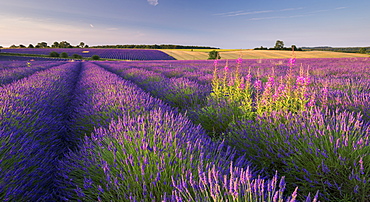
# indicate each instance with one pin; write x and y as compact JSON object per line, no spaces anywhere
{"x":157,"y":130}
{"x":202,"y":54}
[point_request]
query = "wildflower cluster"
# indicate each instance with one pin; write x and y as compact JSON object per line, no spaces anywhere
{"x":250,"y":97}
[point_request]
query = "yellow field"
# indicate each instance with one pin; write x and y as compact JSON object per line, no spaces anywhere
{"x":202,"y":54}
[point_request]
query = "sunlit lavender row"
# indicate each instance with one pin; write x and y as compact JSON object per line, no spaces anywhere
{"x":79,"y":132}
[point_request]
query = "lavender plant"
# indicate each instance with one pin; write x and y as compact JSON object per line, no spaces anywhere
{"x":34,"y":133}
{"x":181,"y":93}
{"x":315,"y":150}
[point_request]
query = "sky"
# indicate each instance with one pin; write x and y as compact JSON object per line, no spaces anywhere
{"x":228,"y":24}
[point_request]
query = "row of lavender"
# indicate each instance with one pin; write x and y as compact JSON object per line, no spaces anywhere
{"x":12,"y":58}
{"x":140,"y":148}
{"x":311,"y":124}
{"x":12,"y":71}
{"x":34,"y":133}
{"x":121,"y":54}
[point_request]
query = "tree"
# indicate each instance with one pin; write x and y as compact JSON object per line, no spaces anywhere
{"x":64,"y":55}
{"x":213,"y":55}
{"x":42,"y":45}
{"x":294,"y":47}
{"x":362,"y":50}
{"x":65,"y":44}
{"x":279,"y":45}
{"x":55,"y":45}
{"x":31,"y":46}
{"x":82,"y":44}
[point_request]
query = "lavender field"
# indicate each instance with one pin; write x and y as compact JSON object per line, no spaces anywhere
{"x":226,"y":130}
{"x":120,"y":54}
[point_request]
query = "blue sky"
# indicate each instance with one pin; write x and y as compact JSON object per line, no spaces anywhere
{"x":218,"y":23}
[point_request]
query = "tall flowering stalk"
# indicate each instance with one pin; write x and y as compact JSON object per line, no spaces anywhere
{"x":290,"y":79}
{"x":229,"y":93}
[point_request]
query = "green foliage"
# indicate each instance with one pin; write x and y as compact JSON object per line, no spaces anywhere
{"x":234,"y":97}
{"x":82,"y":44}
{"x":55,"y":45}
{"x":65,"y":44}
{"x":362,"y":50}
{"x":344,"y":50}
{"x":95,"y":57}
{"x":42,"y":45}
{"x":77,"y":56}
{"x":214,"y":55}
{"x":54,"y":54}
{"x":279,"y":45}
{"x":64,"y":55}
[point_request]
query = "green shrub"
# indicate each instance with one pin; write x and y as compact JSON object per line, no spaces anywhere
{"x":54,"y":54}
{"x":64,"y":55}
{"x":95,"y":57}
{"x":77,"y":56}
{"x":213,"y":55}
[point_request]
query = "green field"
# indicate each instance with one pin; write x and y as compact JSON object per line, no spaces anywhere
{"x":202,"y":54}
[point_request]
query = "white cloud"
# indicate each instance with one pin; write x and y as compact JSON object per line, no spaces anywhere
{"x":153,"y":2}
{"x":238,"y":13}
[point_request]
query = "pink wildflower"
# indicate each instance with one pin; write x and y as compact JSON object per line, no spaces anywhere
{"x":291,"y":62}
{"x":226,"y":68}
{"x":242,"y":83}
{"x":215,"y":63}
{"x":270,"y":82}
{"x":300,"y":81}
{"x":312,"y":101}
{"x":303,"y":81}
{"x":239,"y":61}
{"x":281,"y":88}
{"x":258,"y":84}
{"x":248,"y":78}
{"x":307,"y":81}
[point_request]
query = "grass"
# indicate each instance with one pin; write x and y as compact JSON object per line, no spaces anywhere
{"x":202,"y":54}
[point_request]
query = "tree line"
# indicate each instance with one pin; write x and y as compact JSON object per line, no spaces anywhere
{"x":65,"y":44}
{"x":363,"y":50}
{"x":155,"y":46}
{"x":279,"y":45}
{"x":56,"y":44}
